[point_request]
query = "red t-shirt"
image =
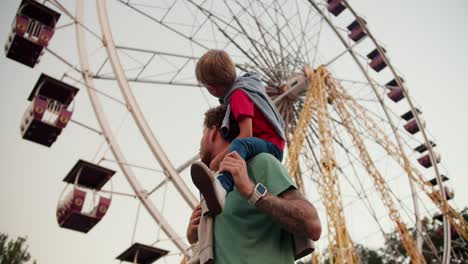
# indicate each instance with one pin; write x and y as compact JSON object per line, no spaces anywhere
{"x":243,"y":106}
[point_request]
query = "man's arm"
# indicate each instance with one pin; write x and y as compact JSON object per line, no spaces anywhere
{"x":290,"y":210}
{"x":293,"y":212}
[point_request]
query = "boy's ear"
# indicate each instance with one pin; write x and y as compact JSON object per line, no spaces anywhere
{"x":211,"y":88}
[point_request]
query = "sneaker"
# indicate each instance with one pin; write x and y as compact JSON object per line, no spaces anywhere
{"x":210,"y":188}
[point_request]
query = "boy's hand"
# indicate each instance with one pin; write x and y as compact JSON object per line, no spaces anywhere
{"x":192,"y":229}
{"x":214,"y":164}
{"x":234,"y":164}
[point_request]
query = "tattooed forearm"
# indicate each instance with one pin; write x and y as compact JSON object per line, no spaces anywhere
{"x":292,"y":212}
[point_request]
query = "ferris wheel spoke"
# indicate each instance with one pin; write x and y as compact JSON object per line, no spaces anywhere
{"x":168,"y":58}
{"x":63,"y":26}
{"x":110,"y":97}
{"x":150,"y":81}
{"x":294,"y":36}
{"x":161,"y":184}
{"x":69,"y":14}
{"x":123,"y":194}
{"x":149,"y":5}
{"x":173,"y":29}
{"x":269,"y":56}
{"x":371,"y":126}
{"x":361,"y":192}
{"x":186,"y":164}
{"x":136,"y":166}
{"x":315,"y":47}
{"x":266,"y":62}
{"x":273,"y":58}
{"x":64,"y":60}
{"x":275,"y":37}
{"x":72,"y":120}
{"x":341,"y":54}
{"x":214,"y":18}
{"x":144,"y":66}
{"x":98,"y":72}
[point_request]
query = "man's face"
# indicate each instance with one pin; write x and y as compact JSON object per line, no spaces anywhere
{"x":204,"y":151}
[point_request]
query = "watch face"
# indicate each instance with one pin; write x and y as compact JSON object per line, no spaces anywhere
{"x":261,"y":189}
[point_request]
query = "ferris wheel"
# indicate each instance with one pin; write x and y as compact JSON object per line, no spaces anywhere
{"x":358,"y":146}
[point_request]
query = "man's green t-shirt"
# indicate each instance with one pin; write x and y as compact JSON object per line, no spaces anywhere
{"x":243,"y":234}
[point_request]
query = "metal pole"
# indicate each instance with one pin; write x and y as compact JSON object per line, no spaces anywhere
{"x":135,"y":110}
{"x":395,"y":132}
{"x":109,"y":136}
{"x":447,"y":238}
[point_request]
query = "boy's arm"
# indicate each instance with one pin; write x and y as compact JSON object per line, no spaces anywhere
{"x":245,"y":128}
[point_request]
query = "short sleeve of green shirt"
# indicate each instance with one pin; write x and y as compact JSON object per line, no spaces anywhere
{"x":243,"y":234}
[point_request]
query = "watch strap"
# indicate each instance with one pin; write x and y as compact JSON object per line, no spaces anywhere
{"x":257,"y":195}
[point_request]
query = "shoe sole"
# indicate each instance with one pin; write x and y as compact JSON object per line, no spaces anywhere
{"x":203,"y":180}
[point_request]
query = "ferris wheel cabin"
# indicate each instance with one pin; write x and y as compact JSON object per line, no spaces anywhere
{"x":356,"y":31}
{"x":142,"y":254}
{"x":396,"y":92}
{"x":335,"y":7}
{"x":32,"y":29}
{"x":70,"y":212}
{"x":377,"y":62}
{"x":409,"y":115}
{"x":48,"y":113}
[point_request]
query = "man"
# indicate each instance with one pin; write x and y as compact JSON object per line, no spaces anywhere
{"x":262,"y":212}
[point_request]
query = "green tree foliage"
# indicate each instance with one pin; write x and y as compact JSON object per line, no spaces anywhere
{"x":434,"y":232}
{"x":13,"y":251}
{"x":394,"y":252}
{"x":370,"y":256}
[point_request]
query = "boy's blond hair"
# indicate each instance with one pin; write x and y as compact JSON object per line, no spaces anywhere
{"x":215,"y":67}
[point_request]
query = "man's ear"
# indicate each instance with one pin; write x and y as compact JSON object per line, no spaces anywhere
{"x":212,"y":134}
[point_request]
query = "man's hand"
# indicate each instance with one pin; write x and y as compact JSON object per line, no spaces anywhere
{"x":234,"y":164}
{"x":192,"y":229}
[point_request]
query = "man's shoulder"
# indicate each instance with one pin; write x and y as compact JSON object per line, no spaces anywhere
{"x":262,"y":159}
{"x":265,"y":162}
{"x":269,"y":171}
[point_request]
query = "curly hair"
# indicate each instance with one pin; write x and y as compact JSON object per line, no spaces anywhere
{"x":214,"y":117}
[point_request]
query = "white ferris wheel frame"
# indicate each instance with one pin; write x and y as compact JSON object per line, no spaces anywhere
{"x":170,"y":171}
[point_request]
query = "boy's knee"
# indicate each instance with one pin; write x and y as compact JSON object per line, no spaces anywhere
{"x":237,"y":142}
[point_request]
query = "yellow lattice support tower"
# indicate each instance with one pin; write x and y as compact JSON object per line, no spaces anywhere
{"x":340,"y":106}
{"x":315,"y":259}
{"x":455,"y":219}
{"x":340,"y":247}
{"x":297,"y":142}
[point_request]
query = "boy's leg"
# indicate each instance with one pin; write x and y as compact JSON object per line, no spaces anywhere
{"x":246,"y":148}
{"x":214,"y":191}
{"x":275,"y":151}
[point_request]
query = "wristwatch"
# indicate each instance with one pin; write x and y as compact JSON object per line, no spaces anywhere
{"x":259,"y":191}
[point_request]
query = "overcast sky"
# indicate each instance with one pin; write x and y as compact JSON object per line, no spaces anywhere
{"x":425,"y":40}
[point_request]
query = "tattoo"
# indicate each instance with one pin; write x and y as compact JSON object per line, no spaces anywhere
{"x":290,"y":211}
